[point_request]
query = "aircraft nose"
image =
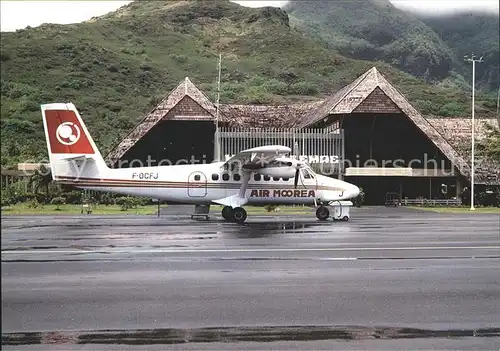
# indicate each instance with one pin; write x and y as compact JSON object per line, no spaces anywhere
{"x":351,"y":192}
{"x":354,"y":190}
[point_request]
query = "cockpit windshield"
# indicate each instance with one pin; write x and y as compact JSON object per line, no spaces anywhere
{"x":306,"y":174}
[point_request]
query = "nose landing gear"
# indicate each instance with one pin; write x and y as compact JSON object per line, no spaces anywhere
{"x":338,"y":210}
{"x":322,"y":213}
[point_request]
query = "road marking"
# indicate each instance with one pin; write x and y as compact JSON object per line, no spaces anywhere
{"x":253,"y":250}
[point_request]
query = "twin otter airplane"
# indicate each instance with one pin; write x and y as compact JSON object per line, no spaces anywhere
{"x":258,"y":176}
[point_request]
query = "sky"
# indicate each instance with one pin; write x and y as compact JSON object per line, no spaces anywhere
{"x":20,"y":14}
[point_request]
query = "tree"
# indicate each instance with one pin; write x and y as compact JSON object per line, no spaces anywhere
{"x":41,"y":178}
{"x":490,"y":146}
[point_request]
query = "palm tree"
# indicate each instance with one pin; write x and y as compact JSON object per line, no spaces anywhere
{"x":41,"y":178}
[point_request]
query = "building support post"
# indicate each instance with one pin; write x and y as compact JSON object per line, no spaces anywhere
{"x":400,"y":191}
{"x":430,"y":188}
{"x":342,"y":164}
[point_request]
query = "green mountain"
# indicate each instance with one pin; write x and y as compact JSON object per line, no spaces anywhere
{"x":429,"y":47}
{"x":116,"y":67}
{"x":468,"y":33}
{"x":375,"y":30}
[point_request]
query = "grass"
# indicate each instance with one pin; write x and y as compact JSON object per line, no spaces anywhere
{"x":49,"y":209}
{"x":24,"y":209}
{"x":458,"y":209}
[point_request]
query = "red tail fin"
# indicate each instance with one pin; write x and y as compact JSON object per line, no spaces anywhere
{"x":66,"y":132}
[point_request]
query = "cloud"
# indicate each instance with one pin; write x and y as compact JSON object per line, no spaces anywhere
{"x":20,"y":14}
{"x":256,"y":3}
{"x":439,"y":7}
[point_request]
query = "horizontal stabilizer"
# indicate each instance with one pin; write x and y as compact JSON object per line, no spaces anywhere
{"x":80,"y":158}
{"x":233,"y":201}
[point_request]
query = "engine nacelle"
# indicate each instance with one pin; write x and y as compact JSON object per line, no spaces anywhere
{"x":278,"y":172}
{"x":282,"y":167}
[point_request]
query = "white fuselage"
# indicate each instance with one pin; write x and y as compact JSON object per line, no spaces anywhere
{"x":205,"y":183}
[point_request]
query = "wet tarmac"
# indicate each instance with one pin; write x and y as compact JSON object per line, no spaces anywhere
{"x":384,"y":277}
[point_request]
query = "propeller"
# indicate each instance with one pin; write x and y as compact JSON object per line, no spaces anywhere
{"x":298,"y":166}
{"x":294,"y":164}
{"x":296,"y":177}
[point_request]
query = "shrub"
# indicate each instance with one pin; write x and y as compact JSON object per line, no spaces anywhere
{"x":257,"y":95}
{"x":359,"y":200}
{"x":58,"y":201}
{"x":128,"y":202}
{"x":277,"y":87}
{"x":72,"y":197}
{"x":271,"y":208}
{"x":426,"y":107}
{"x":107,"y":199}
{"x":452,"y":109}
{"x":33,"y":203}
{"x":8,"y":199}
{"x":179,"y":58}
{"x":303,"y":88}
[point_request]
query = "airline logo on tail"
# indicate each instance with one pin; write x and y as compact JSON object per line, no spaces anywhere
{"x":66,"y":134}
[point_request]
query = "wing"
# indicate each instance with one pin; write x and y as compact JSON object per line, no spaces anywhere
{"x":248,"y":160}
{"x":257,"y":157}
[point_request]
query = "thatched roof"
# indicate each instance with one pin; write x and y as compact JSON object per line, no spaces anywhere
{"x":457,"y":131}
{"x":447,"y":134}
{"x":261,"y":116}
{"x":350,"y":97}
{"x":185,"y":89}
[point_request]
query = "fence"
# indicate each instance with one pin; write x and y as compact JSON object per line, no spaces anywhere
{"x":323,"y":149}
{"x":431,"y":202}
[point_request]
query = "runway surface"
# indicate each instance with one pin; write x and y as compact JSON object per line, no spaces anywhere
{"x":278,"y":279}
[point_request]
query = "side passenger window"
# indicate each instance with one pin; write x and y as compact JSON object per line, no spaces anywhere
{"x":256,"y":177}
{"x":197,"y":177}
{"x":215,"y":176}
{"x":225,"y":176}
{"x":266,"y":177}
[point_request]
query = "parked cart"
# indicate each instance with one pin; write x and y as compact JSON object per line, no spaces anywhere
{"x":392,"y":200}
{"x":340,"y":210}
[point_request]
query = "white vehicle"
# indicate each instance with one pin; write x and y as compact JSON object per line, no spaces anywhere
{"x":258,"y":176}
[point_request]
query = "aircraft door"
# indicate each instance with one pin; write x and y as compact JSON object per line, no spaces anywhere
{"x":197,"y":184}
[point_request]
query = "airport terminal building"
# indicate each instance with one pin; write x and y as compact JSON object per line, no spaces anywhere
{"x":367,"y":133}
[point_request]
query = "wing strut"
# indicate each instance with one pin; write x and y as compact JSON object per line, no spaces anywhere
{"x":244,"y":183}
{"x":239,"y":199}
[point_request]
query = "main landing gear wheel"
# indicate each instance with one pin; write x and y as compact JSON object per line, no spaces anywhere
{"x":227,"y":213}
{"x":322,"y":213}
{"x":239,"y":215}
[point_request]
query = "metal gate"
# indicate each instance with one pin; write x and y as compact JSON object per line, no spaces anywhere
{"x":323,"y":149}
{"x":197,"y":184}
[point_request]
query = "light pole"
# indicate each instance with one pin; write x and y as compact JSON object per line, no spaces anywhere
{"x":217,"y":156}
{"x":473,"y":60}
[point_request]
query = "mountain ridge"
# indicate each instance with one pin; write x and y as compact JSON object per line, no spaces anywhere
{"x":411,"y":42}
{"x":118,"y":66}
